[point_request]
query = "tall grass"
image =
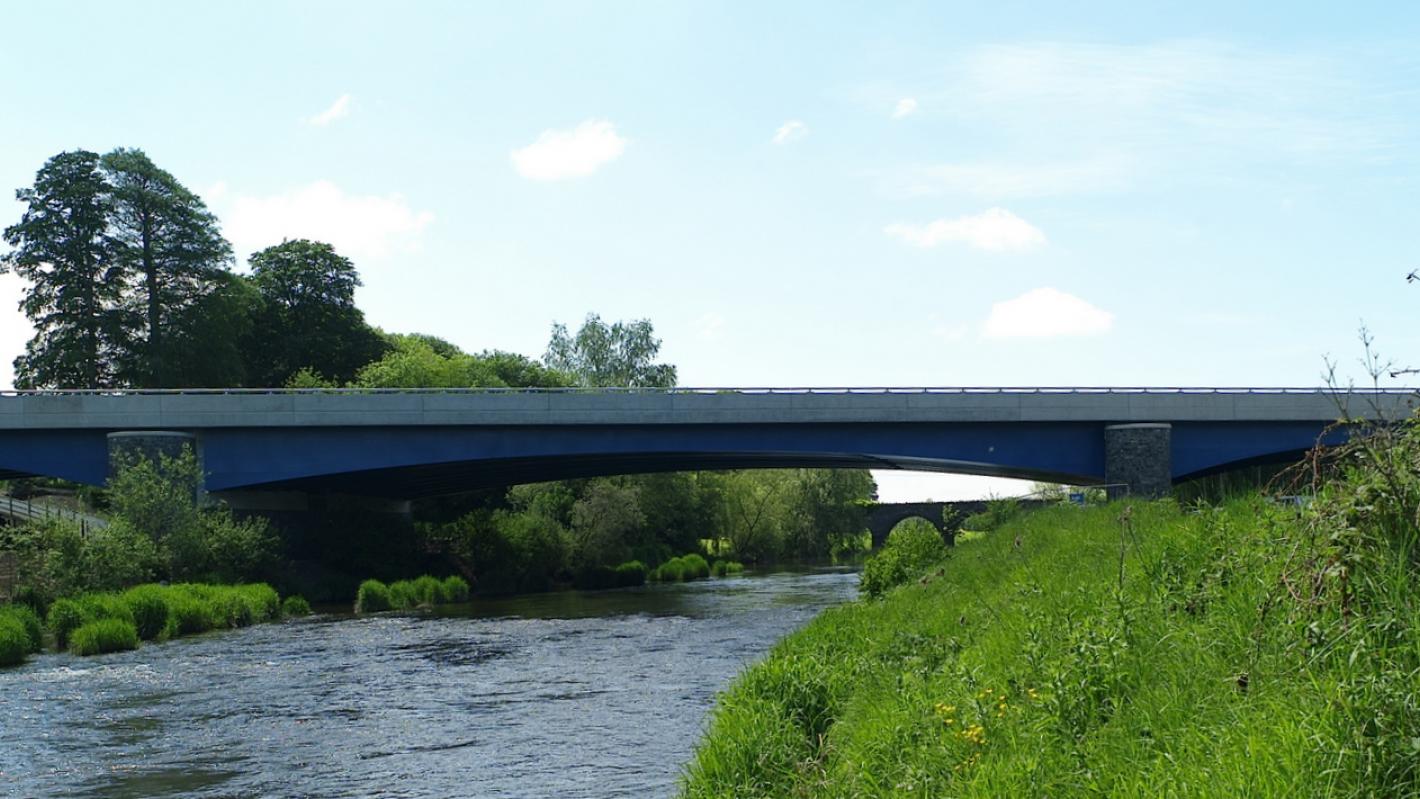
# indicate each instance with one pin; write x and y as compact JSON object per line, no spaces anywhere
{"x":374,"y":596}
{"x":14,"y":641}
{"x":1138,"y":649}
{"x":104,"y":635}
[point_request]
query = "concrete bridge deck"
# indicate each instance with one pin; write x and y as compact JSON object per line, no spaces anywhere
{"x":403,"y":444}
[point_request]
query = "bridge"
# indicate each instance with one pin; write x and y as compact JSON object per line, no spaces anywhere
{"x":279,"y":448}
{"x":946,"y":516}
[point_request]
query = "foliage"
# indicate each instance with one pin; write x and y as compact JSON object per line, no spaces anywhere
{"x":306,"y":318}
{"x":912,"y":547}
{"x":65,"y":616}
{"x":14,"y":641}
{"x":998,"y":513}
{"x":165,"y":239}
{"x":295,"y":605}
{"x":726,"y":568}
{"x":103,"y":635}
{"x":681,"y":569}
{"x":620,"y":354}
{"x":373,"y":596}
{"x":149,"y":605}
{"x":454,"y":589}
{"x":62,"y":248}
{"x":602,"y":518}
{"x":631,"y":573}
{"x":421,"y":361}
{"x":28,"y":620}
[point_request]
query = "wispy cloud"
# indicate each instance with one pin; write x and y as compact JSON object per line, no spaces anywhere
{"x":359,"y":226}
{"x":564,"y":154}
{"x":1044,"y":313}
{"x":905,"y":107}
{"x":337,"y":110}
{"x":995,"y":230}
{"x":709,"y":327}
{"x":790,"y":132}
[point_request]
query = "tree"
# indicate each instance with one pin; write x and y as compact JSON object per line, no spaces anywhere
{"x":63,"y":249}
{"x":621,"y":354}
{"x":167,"y":242}
{"x":307,"y":317}
{"x":602,"y":518}
{"x":828,"y":510}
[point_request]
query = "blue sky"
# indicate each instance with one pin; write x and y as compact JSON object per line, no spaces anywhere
{"x":795,"y":194}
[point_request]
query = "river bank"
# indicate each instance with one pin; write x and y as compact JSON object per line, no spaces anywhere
{"x":1132,"y":650}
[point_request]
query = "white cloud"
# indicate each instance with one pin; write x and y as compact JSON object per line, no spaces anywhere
{"x":907,"y":106}
{"x":358,"y":226}
{"x":215,"y":192}
{"x":563,"y":154}
{"x":995,"y":230}
{"x":337,"y":110}
{"x":709,"y":326}
{"x":790,"y":132}
{"x":1046,"y":312}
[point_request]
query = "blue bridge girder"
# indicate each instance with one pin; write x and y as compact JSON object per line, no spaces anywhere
{"x":406,"y":444}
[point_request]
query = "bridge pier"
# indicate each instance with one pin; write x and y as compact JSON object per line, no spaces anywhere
{"x":1138,"y":460}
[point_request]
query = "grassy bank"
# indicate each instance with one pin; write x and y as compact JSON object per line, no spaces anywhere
{"x":1134,"y":650}
{"x":96,"y":623}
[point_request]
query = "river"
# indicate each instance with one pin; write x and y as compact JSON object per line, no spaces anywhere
{"x":569,"y":694}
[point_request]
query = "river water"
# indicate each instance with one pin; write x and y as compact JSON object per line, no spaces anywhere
{"x":570,"y":694}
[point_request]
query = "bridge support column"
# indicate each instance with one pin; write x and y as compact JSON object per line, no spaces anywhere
{"x":1138,"y":460}
{"x":131,"y":445}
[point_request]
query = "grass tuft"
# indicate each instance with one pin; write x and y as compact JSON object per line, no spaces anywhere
{"x":104,"y":635}
{"x":295,"y":605}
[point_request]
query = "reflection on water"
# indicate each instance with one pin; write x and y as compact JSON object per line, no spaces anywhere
{"x":569,"y":694}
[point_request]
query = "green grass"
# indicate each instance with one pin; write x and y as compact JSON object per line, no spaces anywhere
{"x":14,"y":641}
{"x":1134,"y":651}
{"x":104,"y":635}
{"x":295,"y":605}
{"x":374,"y":596}
{"x":726,"y":568}
{"x":160,"y":612}
{"x":454,"y":589}
{"x":29,"y":620}
{"x":681,"y":569}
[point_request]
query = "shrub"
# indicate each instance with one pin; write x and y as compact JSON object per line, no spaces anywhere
{"x":726,"y":568}
{"x":149,"y":606}
{"x":373,"y":596}
{"x":695,"y":566}
{"x":454,"y":589}
{"x":911,"y":549}
{"x":28,"y":619}
{"x":14,"y":641}
{"x":426,"y":590}
{"x":295,"y":605}
{"x":105,"y":606}
{"x":402,"y":595}
{"x":188,"y":615}
{"x":104,"y":635}
{"x":265,"y":603}
{"x":632,"y":572}
{"x":672,"y":571}
{"x":65,"y":616}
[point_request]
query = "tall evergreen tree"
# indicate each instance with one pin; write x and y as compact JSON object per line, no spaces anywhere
{"x":307,"y":317}
{"x":61,"y":246}
{"x":169,"y":244}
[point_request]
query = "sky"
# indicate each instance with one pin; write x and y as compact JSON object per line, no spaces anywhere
{"x":795,"y":194}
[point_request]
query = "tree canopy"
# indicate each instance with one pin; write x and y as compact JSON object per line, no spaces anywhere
{"x":619,"y":354}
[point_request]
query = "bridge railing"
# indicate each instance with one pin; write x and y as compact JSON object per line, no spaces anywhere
{"x":1089,"y":390}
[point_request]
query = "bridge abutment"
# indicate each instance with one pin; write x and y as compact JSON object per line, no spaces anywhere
{"x":1138,"y":459}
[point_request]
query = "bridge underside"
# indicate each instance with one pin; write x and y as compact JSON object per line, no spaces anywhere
{"x":415,"y":462}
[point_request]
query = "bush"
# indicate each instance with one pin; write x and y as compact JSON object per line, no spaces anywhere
{"x":726,"y":568}
{"x":373,"y":596}
{"x":65,"y":616}
{"x":402,"y":595}
{"x":672,"y":571}
{"x":149,"y":606}
{"x":426,"y":591}
{"x":232,"y":609}
{"x":998,"y":513}
{"x":454,"y":589}
{"x":188,"y":614}
{"x":28,"y":619}
{"x":14,"y":641}
{"x":695,"y":566}
{"x":295,"y":605}
{"x":911,"y":549}
{"x":104,"y":635}
{"x":630,"y":573}
{"x":105,"y":606}
{"x":263,"y":600}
